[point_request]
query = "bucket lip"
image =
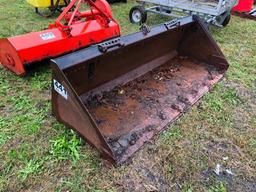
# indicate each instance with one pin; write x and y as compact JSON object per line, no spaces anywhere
{"x":65,"y":61}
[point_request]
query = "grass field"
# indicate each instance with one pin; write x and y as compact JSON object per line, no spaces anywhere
{"x":39,"y":154}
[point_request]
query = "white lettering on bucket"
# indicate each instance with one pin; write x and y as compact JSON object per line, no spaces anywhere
{"x":60,"y":89}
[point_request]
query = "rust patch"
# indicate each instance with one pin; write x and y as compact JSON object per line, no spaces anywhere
{"x":131,"y":114}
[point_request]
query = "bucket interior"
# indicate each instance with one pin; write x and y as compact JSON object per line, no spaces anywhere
{"x":135,"y":91}
{"x":147,"y":101}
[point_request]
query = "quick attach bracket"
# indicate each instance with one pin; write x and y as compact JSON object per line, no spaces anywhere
{"x":103,"y":47}
{"x":172,"y":24}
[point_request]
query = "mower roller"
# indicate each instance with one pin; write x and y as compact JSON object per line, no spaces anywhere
{"x":118,"y":94}
{"x":73,"y":29}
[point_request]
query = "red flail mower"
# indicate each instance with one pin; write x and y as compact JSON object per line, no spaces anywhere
{"x":245,"y":9}
{"x":72,"y":30}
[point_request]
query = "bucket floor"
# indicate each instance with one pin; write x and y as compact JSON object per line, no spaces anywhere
{"x":133,"y":113}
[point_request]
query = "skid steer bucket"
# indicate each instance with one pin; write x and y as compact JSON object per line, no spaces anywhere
{"x":121,"y":93}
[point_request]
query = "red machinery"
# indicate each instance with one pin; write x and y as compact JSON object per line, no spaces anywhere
{"x":244,"y":8}
{"x":72,"y":30}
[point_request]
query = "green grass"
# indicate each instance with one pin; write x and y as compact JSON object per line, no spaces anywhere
{"x":221,"y":187}
{"x":39,"y":154}
{"x":30,"y":167}
{"x":66,"y":146}
{"x":170,"y":135}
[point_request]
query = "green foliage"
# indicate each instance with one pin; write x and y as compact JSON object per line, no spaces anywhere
{"x":41,"y":78}
{"x":170,"y":168}
{"x":220,"y":98}
{"x":20,"y":102}
{"x":66,"y":146}
{"x":174,"y":133}
{"x":31,"y":167}
{"x":58,"y":126}
{"x":217,"y":106}
{"x":187,"y":188}
{"x":5,"y":134}
{"x":230,"y":97}
{"x":3,"y":182}
{"x":252,"y":143}
{"x":220,"y":187}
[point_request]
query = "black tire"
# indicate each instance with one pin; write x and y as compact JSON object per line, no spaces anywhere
{"x":45,"y":13}
{"x":111,"y":1}
{"x":140,"y":12}
{"x":116,"y":1}
{"x":226,"y":20}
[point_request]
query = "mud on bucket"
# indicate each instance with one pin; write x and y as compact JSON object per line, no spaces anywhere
{"x":120,"y":93}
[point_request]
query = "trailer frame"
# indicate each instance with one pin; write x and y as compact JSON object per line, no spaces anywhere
{"x":217,"y":14}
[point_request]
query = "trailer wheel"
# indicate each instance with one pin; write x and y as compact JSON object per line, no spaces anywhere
{"x":226,"y":21}
{"x":138,"y":14}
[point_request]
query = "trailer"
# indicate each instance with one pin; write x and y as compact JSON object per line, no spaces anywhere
{"x":214,"y":12}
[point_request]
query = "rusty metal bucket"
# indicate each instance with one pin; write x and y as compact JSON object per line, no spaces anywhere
{"x":121,"y":93}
